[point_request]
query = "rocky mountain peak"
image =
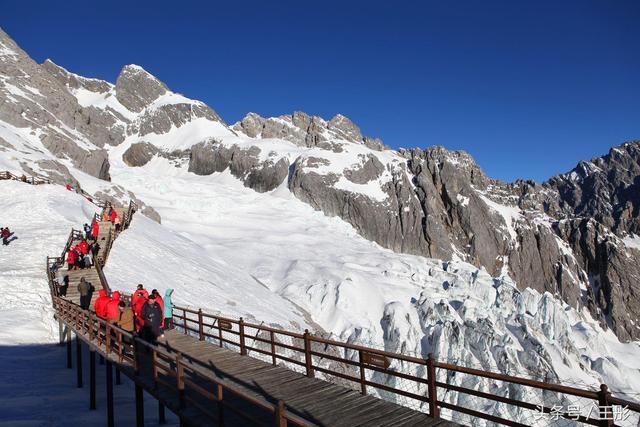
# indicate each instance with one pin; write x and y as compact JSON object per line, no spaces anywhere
{"x":345,"y":128}
{"x":136,"y":88}
{"x":74,"y":81}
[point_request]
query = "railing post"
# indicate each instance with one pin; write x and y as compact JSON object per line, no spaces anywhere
{"x":136,"y":362}
{"x":108,"y":337}
{"x":91,"y":327}
{"x":79,"y":361}
{"x":69,"y":351}
{"x":109,"y":371}
{"x":120,"y":354}
{"x":154,"y":367}
{"x":273,"y":348}
{"x":363,"y":379}
{"x":219,"y":398}
{"x":162,"y":419}
{"x":307,"y":354}
{"x":434,"y":411}
{"x":139,"y":406}
{"x":219,"y":333}
{"x":92,"y":379}
{"x":243,"y":349}
{"x":180,"y":379}
{"x":605,"y":410}
{"x":200,"y":325}
{"x":184,"y":321}
{"x":281,"y":419}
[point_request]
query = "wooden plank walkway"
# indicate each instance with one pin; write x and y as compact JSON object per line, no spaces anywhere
{"x":318,"y":401}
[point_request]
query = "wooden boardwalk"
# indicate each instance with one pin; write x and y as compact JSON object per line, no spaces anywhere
{"x":315,"y":400}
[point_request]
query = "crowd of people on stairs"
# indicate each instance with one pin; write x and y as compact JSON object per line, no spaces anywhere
{"x":147,"y":315}
{"x":81,"y":255}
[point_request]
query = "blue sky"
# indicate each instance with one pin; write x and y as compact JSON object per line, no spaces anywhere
{"x":527,"y":87}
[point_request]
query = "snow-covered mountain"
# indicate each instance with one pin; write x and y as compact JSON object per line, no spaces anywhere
{"x":304,"y":222}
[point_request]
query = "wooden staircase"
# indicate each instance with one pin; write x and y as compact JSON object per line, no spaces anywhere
{"x":106,"y":236}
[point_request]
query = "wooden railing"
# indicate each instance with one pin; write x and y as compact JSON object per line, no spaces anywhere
{"x":355,"y":364}
{"x":168,"y":368}
{"x":31,"y":179}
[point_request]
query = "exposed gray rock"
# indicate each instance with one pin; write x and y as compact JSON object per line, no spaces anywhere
{"x":160,"y":120}
{"x":210,"y":156}
{"x":31,"y":97}
{"x":136,"y":88}
{"x":152,"y":214}
{"x":345,"y":128}
{"x":371,"y":169}
{"x":251,"y":125}
{"x":139,"y":154}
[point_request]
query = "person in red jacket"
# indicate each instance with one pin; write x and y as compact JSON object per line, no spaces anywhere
{"x":71,"y":259}
{"x":113,"y":307}
{"x":84,"y":247}
{"x":100,"y":306}
{"x":113,"y":215}
{"x":141,"y":292}
{"x":95,"y":230}
{"x":137,"y":309}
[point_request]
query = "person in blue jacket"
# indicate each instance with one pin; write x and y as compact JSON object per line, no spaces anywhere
{"x":168,"y":310}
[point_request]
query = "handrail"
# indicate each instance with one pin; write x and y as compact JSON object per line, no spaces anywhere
{"x":305,"y":350}
{"x":31,"y":179}
{"x":125,"y":347}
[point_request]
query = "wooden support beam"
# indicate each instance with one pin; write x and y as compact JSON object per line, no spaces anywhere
{"x":162,"y":419}
{"x":79,"y":362}
{"x":92,"y":379}
{"x":139,"y":407}
{"x":61,"y":332}
{"x":109,"y":370}
{"x":69,"y":351}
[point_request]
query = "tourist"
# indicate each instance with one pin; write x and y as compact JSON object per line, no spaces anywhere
{"x":6,"y":234}
{"x":71,"y":260}
{"x":125,"y":321}
{"x":140,"y":292}
{"x":168,"y":310}
{"x":95,"y":230}
{"x":87,"y":231}
{"x":100,"y":305}
{"x":64,"y":286}
{"x":113,"y":308}
{"x":86,"y":292}
{"x":152,"y":316}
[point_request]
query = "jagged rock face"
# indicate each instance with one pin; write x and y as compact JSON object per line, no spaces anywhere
{"x":210,"y":156}
{"x":161,"y":120}
{"x":306,"y":131}
{"x":139,"y":154}
{"x":135,"y":88}
{"x":33,"y":99}
{"x":606,"y":188}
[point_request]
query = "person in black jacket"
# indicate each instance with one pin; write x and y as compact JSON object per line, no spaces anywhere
{"x":152,"y":316}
